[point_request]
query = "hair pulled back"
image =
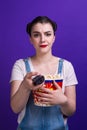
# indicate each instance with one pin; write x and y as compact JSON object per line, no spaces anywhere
{"x":40,"y":19}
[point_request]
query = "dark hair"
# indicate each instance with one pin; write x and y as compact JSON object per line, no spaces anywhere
{"x":40,"y":19}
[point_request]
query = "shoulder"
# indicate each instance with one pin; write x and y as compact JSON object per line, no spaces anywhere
{"x":19,"y":61}
{"x":18,"y":70}
{"x":68,"y":67}
{"x":67,"y":64}
{"x":19,"y":64}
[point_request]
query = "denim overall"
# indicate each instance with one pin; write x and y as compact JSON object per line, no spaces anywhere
{"x":39,"y":117}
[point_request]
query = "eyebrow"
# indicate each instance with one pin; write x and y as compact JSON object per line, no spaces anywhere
{"x":39,"y":32}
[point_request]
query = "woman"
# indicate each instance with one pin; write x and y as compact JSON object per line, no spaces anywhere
{"x":62,"y":101}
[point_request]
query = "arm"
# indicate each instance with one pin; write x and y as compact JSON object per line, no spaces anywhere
{"x":70,"y":78}
{"x":20,"y":91}
{"x":69,"y":107}
{"x":19,"y":96}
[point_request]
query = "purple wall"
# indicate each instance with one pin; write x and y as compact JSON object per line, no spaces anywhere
{"x":71,"y":43}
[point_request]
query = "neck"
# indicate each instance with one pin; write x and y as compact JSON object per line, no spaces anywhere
{"x":43,"y":58}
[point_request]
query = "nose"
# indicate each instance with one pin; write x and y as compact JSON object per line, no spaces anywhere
{"x":42,"y":38}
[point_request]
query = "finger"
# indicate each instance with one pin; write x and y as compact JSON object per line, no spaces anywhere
{"x":43,"y":99}
{"x":56,"y":85}
{"x":46,"y":90}
{"x":43,"y":94}
{"x":37,"y":87}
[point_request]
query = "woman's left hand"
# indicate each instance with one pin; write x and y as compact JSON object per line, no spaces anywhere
{"x":52,"y":97}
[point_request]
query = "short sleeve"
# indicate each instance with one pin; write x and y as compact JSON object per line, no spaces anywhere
{"x":18,"y":70}
{"x":69,"y":74}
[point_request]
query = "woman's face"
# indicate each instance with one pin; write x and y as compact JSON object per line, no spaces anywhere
{"x":42,"y":37}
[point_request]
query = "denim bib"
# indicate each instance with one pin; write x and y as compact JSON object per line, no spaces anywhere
{"x":40,"y":117}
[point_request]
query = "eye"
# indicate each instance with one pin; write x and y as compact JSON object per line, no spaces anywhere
{"x":36,"y":35}
{"x":48,"y":34}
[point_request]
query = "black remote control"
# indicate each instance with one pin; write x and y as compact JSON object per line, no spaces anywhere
{"x":39,"y":79}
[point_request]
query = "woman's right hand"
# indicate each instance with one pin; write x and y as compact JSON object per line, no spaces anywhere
{"x":28,"y":83}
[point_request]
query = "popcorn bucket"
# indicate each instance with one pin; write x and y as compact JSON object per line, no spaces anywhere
{"x":47,"y":84}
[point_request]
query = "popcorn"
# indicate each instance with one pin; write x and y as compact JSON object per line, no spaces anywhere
{"x":52,"y":77}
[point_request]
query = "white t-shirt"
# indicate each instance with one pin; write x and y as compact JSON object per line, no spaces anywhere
{"x":19,"y":71}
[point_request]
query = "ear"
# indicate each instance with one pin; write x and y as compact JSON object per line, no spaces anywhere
{"x":54,"y":39}
{"x":30,"y":40}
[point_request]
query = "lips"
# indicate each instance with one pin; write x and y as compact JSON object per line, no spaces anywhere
{"x":43,"y":46}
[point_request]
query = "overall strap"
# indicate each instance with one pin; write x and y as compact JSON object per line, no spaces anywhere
{"x":60,"y":66}
{"x":27,"y":65}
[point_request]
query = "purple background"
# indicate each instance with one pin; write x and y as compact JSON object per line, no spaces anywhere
{"x":71,"y":44}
